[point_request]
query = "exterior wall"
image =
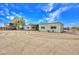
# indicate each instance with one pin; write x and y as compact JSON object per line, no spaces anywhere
{"x":10,"y":26}
{"x":32,"y":27}
{"x":29,"y":27}
{"x":59,"y":27}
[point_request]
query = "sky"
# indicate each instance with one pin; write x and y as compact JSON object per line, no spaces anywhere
{"x":37,"y":13}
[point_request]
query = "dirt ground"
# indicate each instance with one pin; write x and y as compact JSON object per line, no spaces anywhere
{"x":38,"y":43}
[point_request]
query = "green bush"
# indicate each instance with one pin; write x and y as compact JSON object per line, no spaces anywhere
{"x":75,"y":27}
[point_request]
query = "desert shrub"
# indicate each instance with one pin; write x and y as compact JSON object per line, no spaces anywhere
{"x":75,"y":27}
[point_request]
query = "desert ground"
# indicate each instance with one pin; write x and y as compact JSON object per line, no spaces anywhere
{"x":38,"y":43}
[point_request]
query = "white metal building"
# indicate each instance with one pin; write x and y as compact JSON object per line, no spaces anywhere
{"x":52,"y":27}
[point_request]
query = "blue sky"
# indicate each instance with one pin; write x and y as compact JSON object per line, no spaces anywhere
{"x":36,"y":13}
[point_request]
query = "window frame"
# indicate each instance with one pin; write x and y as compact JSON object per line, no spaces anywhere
{"x":42,"y":27}
{"x":53,"y":27}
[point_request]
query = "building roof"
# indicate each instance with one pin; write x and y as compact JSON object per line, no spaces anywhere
{"x":52,"y":23}
{"x":47,"y":23}
{"x":33,"y":24}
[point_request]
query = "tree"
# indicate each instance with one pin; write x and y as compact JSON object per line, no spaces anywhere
{"x":19,"y":22}
{"x":75,"y":27}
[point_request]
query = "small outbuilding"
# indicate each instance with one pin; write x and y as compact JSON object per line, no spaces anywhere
{"x":52,"y":27}
{"x":49,"y":27}
{"x":33,"y":27}
{"x":10,"y":26}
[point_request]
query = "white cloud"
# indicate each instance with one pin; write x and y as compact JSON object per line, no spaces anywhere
{"x":41,"y":20}
{"x":55,"y":15}
{"x":15,"y":14}
{"x":6,"y":4}
{"x":57,"y":12}
{"x":2,"y":13}
{"x":48,"y":7}
{"x":10,"y":17}
{"x":6,"y":11}
{"x":77,"y":6}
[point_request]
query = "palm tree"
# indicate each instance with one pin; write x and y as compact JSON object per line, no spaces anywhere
{"x":19,"y":22}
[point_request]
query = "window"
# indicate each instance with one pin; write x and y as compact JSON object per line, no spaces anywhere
{"x":53,"y":27}
{"x":33,"y":27}
{"x":28,"y":27}
{"x":42,"y":27}
{"x":11,"y":24}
